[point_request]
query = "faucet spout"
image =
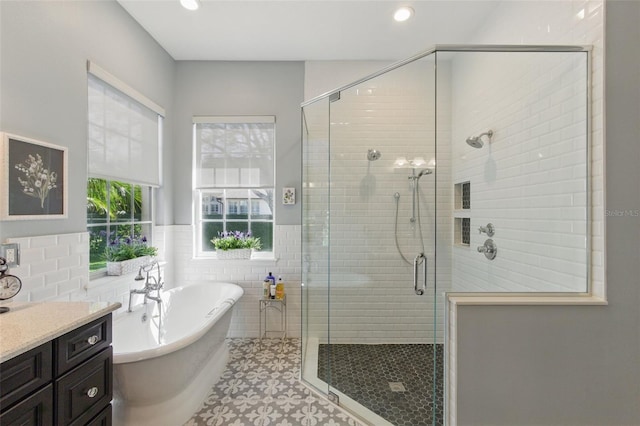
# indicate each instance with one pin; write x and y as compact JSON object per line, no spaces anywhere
{"x":135,"y":291}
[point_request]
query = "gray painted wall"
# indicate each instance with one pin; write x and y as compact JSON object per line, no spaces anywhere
{"x":43,"y":95}
{"x":43,"y":86}
{"x":572,"y":365}
{"x":240,"y":88}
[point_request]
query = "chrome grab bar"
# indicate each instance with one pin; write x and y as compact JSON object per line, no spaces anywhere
{"x":416,"y":262}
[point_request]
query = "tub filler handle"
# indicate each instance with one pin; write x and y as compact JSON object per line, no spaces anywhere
{"x":420,"y":257}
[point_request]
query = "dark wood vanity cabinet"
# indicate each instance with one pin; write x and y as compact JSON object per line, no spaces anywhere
{"x":67,"y":381}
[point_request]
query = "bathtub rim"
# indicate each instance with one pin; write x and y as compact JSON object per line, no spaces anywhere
{"x":226,"y":304}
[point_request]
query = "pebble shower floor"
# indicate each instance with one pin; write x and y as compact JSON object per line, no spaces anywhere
{"x":260,"y":387}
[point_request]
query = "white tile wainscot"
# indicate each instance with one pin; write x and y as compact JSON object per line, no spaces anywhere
{"x":56,"y":268}
{"x":248,"y":274}
{"x":52,"y":267}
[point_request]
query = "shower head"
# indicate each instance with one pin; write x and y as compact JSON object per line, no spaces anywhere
{"x":373,"y":155}
{"x":414,"y":177}
{"x":476,"y":141}
{"x":424,"y":172}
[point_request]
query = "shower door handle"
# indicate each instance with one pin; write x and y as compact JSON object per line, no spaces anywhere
{"x":416,"y":262}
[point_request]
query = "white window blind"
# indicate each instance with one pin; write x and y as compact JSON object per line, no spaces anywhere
{"x":234,"y":152}
{"x":124,"y":135}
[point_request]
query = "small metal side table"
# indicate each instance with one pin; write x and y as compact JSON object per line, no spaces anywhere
{"x":279,"y":305}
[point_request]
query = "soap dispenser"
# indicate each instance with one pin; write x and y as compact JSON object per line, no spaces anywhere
{"x":265,"y":288}
{"x":280,"y":289}
{"x":272,"y":285}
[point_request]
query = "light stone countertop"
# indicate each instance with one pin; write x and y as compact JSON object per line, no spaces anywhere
{"x":28,"y":325}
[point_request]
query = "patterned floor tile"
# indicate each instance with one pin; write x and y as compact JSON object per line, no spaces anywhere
{"x":260,"y":387}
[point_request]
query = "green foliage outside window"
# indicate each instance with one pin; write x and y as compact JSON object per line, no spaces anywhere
{"x":113,"y":208}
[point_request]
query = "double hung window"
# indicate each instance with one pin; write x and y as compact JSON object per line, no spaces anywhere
{"x":233,"y":179}
{"x":124,"y":145}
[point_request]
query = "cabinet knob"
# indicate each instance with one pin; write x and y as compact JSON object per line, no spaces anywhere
{"x":93,"y":339}
{"x":92,"y":392}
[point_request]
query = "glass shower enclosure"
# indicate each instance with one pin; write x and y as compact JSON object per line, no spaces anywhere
{"x":398,"y":169}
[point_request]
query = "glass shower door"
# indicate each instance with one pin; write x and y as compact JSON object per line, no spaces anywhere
{"x":315,"y":239}
{"x":391,"y":179}
{"x":381,"y":357}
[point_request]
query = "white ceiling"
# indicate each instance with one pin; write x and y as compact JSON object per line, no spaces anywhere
{"x":306,"y":29}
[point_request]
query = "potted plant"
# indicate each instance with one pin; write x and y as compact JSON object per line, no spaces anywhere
{"x":126,"y":255}
{"x":235,"y":245}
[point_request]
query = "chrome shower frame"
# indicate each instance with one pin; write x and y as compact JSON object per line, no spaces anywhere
{"x":335,"y":93}
{"x":496,"y":48}
{"x":502,"y":48}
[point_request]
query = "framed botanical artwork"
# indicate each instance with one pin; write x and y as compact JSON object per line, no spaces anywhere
{"x":288,"y":195}
{"x":34,"y":179}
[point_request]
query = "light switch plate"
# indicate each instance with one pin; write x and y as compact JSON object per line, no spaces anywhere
{"x":11,"y":252}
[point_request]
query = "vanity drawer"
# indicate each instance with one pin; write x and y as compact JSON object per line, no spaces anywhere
{"x":82,"y":343}
{"x":102,"y":419}
{"x":85,"y":391}
{"x":35,"y":410}
{"x":25,"y":373}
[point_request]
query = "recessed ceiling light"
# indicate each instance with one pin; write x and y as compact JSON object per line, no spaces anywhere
{"x":190,"y":4}
{"x":403,"y":13}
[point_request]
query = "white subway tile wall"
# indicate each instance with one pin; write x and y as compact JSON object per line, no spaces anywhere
{"x":52,"y":267}
{"x":529,"y":180}
{"x":350,"y":221}
{"x":249,"y":274}
{"x":56,"y":267}
{"x":575,"y":22}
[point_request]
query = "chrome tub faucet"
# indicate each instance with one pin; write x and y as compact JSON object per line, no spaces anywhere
{"x":151,"y":283}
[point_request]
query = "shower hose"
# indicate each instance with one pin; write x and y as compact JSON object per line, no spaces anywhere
{"x":416,"y":194}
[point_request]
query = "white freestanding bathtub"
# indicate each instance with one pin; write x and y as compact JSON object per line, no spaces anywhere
{"x":168,"y":355}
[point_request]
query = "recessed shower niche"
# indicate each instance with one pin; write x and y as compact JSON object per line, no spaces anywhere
{"x":462,"y":196}
{"x":364,"y":257}
{"x":462,"y":231}
{"x":462,"y":220}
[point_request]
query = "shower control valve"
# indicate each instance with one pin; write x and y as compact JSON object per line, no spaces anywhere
{"x":490,"y":230}
{"x":489,"y":249}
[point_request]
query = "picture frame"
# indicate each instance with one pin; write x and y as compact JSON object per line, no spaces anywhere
{"x":34,"y":179}
{"x":288,"y":196}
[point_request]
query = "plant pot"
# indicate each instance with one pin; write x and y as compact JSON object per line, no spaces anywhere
{"x":127,"y":266}
{"x":236,"y":254}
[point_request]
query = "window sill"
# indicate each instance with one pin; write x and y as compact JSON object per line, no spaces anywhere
{"x":99,"y":279}
{"x":271,"y":259}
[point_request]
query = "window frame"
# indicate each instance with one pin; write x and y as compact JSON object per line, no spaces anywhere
{"x":149,"y":205}
{"x":199,"y":193}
